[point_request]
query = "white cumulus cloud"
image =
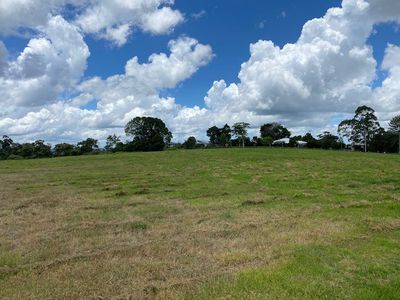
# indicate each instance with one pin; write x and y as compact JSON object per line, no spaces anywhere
{"x":307,"y":85}
{"x":113,"y":20}
{"x":120,"y":98}
{"x":46,"y":67}
{"x":328,"y":71}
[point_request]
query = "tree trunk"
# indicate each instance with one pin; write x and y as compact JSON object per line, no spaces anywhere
{"x":399,"y":142}
{"x":365,"y":141}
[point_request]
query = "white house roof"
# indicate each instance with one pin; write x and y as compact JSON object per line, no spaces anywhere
{"x":281,"y":141}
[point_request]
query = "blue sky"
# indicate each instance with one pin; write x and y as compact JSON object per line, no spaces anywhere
{"x":228,"y":26}
{"x":72,"y":64}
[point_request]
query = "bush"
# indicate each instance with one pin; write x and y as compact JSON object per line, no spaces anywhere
{"x":14,"y":157}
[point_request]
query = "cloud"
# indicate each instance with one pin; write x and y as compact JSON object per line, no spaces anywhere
{"x":120,"y":98}
{"x":307,"y":85}
{"x":47,"y":67}
{"x":328,"y":71}
{"x":28,"y":14}
{"x":202,"y":13}
{"x":3,"y":58}
{"x":386,"y":99}
{"x":113,"y":20}
{"x":261,"y":25}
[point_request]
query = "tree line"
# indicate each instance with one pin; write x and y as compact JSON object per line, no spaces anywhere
{"x":363,"y":132}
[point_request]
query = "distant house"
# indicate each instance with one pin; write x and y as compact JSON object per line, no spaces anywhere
{"x":301,"y":144}
{"x":281,"y":142}
{"x":201,"y":144}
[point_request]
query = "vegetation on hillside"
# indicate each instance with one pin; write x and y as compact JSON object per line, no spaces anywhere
{"x":363,"y":132}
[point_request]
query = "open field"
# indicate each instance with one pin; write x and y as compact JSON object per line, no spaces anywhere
{"x":202,"y":224}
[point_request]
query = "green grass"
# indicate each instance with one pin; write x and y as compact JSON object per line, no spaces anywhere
{"x":202,"y":224}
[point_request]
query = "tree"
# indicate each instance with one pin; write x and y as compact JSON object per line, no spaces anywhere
{"x":190,"y":143}
{"x":361,"y":128}
{"x":293,"y":141}
{"x":213,"y":133}
{"x":6,"y":145}
{"x":225,"y":135}
{"x":88,"y":146}
{"x":240,"y":131}
{"x":274,"y":130}
{"x":329,"y":141}
{"x":394,"y":126}
{"x":149,"y":134}
{"x":41,"y":150}
{"x":220,"y":136}
{"x":265,"y":141}
{"x":112,"y":141}
{"x":310,"y":140}
{"x":25,"y":150}
{"x":64,"y":149}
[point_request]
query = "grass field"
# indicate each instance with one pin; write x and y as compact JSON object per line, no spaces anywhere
{"x":202,"y":224}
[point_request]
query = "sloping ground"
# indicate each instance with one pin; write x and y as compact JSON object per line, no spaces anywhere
{"x":202,"y":224}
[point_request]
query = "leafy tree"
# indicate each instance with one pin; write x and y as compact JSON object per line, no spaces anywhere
{"x":311,"y":141}
{"x":394,"y":126}
{"x":213,"y":133}
{"x":88,"y":146}
{"x":111,"y":143}
{"x":293,"y":140}
{"x":190,"y":143}
{"x":41,"y":150}
{"x":64,"y":149}
{"x":329,"y":141}
{"x":149,"y":134}
{"x":274,"y":130}
{"x":265,"y":141}
{"x":6,"y":145}
{"x":361,"y":128}
{"x":225,"y":135}
{"x":220,"y":136}
{"x":26,"y":150}
{"x":240,"y":131}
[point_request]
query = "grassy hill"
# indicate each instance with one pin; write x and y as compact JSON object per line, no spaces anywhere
{"x":202,"y":224}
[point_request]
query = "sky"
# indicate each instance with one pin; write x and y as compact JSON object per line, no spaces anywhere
{"x":72,"y":69}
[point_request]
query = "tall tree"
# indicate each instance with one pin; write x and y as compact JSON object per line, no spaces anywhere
{"x":329,"y":141}
{"x":274,"y":130}
{"x":149,"y":134}
{"x":64,"y":149}
{"x":394,"y":126}
{"x":41,"y":149}
{"x":240,"y":131}
{"x":362,"y":127}
{"x":220,"y":136}
{"x":5,"y":147}
{"x":88,"y":146}
{"x":190,"y":143}
{"x":111,"y":143}
{"x":225,"y":135}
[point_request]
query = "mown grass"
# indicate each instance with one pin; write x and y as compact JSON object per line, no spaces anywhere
{"x":202,"y":224}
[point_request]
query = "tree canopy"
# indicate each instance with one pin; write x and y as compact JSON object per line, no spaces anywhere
{"x":190,"y":143}
{"x":394,"y":126}
{"x":240,"y":131}
{"x":220,"y":136}
{"x":362,"y":127}
{"x":275,"y":131}
{"x":149,"y":134}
